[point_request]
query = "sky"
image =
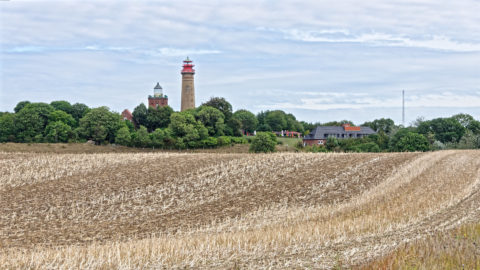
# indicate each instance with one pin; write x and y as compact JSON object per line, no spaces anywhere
{"x":320,"y":60}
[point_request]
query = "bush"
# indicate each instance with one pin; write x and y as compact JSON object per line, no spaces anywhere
{"x":264,"y":142}
{"x":209,"y":142}
{"x":223,"y":140}
{"x":315,"y":149}
{"x":238,"y":140}
{"x":123,"y":136}
{"x":368,"y":147}
{"x":412,"y":142}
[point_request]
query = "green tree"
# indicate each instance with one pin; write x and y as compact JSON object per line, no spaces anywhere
{"x":142,"y":138}
{"x":158,"y":117}
{"x":58,"y":131}
{"x":412,"y":142}
{"x":264,"y":127}
{"x":381,"y":139}
{"x":62,"y":105}
{"x":31,"y":120}
{"x":468,"y":122}
{"x":396,"y":136}
{"x":469,"y":141}
{"x":140,"y":115}
{"x":262,"y":117}
{"x":179,"y":122}
{"x":222,"y":105}
{"x":332,"y":144}
{"x":123,"y":136}
{"x":183,"y":125}
{"x":79,"y":110}
{"x":7,"y":127}
{"x":213,"y":119}
{"x":158,"y":137}
{"x":232,"y":126}
{"x":20,"y":105}
{"x":263,"y":142}
{"x":248,"y":121}
{"x":100,"y":125}
{"x":338,"y":123}
{"x":62,"y":117}
{"x":129,"y":125}
{"x":445,"y":129}
{"x":368,"y":147}
{"x":276,"y":120}
{"x":383,"y":124}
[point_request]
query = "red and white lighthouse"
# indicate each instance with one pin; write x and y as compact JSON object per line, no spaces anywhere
{"x":188,"y":89}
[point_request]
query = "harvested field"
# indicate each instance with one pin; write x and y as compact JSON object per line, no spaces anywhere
{"x":210,"y":210}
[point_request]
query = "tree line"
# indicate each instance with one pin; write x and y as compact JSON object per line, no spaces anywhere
{"x":212,"y":124}
{"x":460,"y":131}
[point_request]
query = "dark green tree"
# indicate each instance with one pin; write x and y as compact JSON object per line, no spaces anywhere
{"x":262,"y":117}
{"x":183,"y":125}
{"x":383,"y":124}
{"x":31,"y":120}
{"x":142,"y":138}
{"x":233,"y":127}
{"x":79,"y":110}
{"x":140,"y":115}
{"x":263,"y":142}
{"x":381,"y":139}
{"x":338,"y":123}
{"x":62,"y":117}
{"x":158,"y":117}
{"x":368,"y":147}
{"x":468,"y":122}
{"x":276,"y":120}
{"x":7,"y":127}
{"x":158,"y":137}
{"x":396,"y":136}
{"x":62,"y":105}
{"x":20,"y":105}
{"x":100,"y":125}
{"x":412,"y":142}
{"x":222,"y":105}
{"x":332,"y":144}
{"x":179,"y":122}
{"x":58,"y":131}
{"x":123,"y":136}
{"x":213,"y":119}
{"x":444,"y":129}
{"x":248,"y":121}
{"x":264,"y":127}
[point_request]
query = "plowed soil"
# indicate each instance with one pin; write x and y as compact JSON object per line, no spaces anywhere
{"x":201,"y":210}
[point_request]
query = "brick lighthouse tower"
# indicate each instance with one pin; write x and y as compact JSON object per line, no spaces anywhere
{"x":158,"y":99}
{"x":188,"y":89}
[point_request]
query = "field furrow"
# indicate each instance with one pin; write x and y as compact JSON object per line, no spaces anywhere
{"x":168,"y":210}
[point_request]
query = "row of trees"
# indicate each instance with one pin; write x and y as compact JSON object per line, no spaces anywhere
{"x":460,"y":131}
{"x":209,"y":125}
{"x":214,"y":123}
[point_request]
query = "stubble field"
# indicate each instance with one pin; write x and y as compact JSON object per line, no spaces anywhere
{"x":210,"y":210}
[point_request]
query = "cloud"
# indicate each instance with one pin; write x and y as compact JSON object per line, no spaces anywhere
{"x":437,"y":42}
{"x":25,"y":49}
{"x":334,"y":101}
{"x":148,"y":51}
{"x":182,"y":52}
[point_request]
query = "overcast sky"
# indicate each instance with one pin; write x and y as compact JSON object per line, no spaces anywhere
{"x":320,"y":60}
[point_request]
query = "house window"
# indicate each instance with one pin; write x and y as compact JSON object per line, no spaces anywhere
{"x":320,"y":142}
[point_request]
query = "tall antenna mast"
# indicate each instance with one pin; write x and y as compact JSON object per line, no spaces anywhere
{"x":403,"y":108}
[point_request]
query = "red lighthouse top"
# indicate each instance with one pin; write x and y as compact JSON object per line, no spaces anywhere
{"x":188,"y":66}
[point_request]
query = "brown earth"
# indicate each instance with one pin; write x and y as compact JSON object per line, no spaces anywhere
{"x":224,"y":210}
